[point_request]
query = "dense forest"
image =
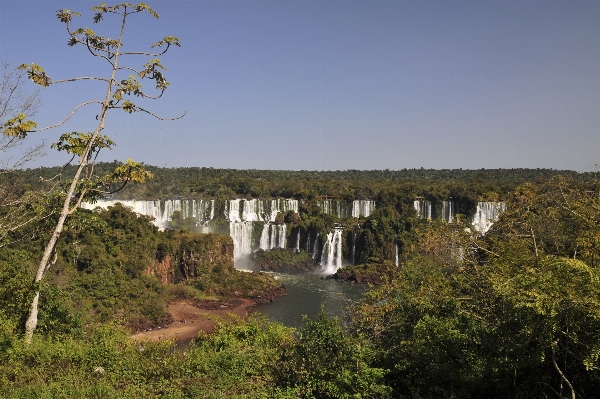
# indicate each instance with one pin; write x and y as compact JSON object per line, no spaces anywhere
{"x":511,"y":313}
{"x":210,"y":183}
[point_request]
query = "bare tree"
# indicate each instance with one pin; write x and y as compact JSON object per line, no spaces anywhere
{"x":86,"y":146}
{"x":18,"y":210}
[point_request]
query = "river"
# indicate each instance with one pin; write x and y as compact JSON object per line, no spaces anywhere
{"x":306,"y":293}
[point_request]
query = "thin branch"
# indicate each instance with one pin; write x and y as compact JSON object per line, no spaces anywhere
{"x":162,"y":119}
{"x":68,"y":117}
{"x":148,"y":54}
{"x":90,"y":47}
{"x":156,"y":116}
{"x":106,"y":57}
{"x":130,"y":68}
{"x":562,"y":376}
{"x":80,"y":78}
{"x":155,"y":97}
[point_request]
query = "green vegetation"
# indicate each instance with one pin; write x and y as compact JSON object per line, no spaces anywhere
{"x":514,"y":313}
{"x":284,"y":260}
{"x":386,"y":187}
{"x":84,"y":183}
{"x":109,"y":265}
{"x":374,"y":271}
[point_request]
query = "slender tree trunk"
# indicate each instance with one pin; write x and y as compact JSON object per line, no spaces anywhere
{"x":32,"y":320}
{"x":562,"y":375}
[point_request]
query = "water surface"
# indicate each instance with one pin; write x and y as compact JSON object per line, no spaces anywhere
{"x":306,"y":293}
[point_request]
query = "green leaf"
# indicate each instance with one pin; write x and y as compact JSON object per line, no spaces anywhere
{"x":18,"y":126}
{"x":37,"y":74}
{"x":76,"y":143}
{"x":66,"y":15}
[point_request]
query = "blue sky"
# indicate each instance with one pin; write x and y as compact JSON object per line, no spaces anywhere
{"x":330,"y":85}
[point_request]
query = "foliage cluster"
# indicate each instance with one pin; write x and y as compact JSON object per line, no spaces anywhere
{"x":384,"y":186}
{"x":514,"y":313}
{"x":374,"y":271}
{"x":253,"y":359}
{"x":511,"y":314}
{"x":284,"y":260}
{"x":105,"y":268}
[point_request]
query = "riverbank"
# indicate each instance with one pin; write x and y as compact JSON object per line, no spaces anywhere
{"x":190,"y":318}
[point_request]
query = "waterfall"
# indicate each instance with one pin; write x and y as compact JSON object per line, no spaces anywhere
{"x":241,"y":233}
{"x":232,"y":210}
{"x":315,"y":247}
{"x":264,"y":238}
{"x":362,"y":208}
{"x":253,"y":210}
{"x":334,"y":207}
{"x":485,"y":216}
{"x":279,"y":205}
{"x":396,"y":257}
{"x":202,"y":210}
{"x":448,"y":211}
{"x":256,"y":210}
{"x":423,"y":208}
{"x":354,"y":236}
{"x":240,"y":213}
{"x":298,"y":241}
{"x":273,"y":236}
{"x":331,"y":257}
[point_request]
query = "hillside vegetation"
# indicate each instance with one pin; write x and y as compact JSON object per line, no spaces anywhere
{"x":513,"y":313}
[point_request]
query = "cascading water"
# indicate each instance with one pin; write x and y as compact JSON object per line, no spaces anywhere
{"x":354,"y":237}
{"x":448,"y":211}
{"x":253,"y":210}
{"x":485,"y":216}
{"x":241,"y":215}
{"x":423,"y":208}
{"x":362,"y":208}
{"x":232,"y":210}
{"x":241,"y":233}
{"x":162,"y":211}
{"x":336,"y":208}
{"x":312,"y":247}
{"x":273,"y":236}
{"x":331,"y":257}
{"x":283,"y":206}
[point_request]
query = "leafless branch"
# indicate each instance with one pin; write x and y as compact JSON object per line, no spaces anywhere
{"x":158,"y":117}
{"x":68,"y":117}
{"x":80,"y":78}
{"x":145,"y":53}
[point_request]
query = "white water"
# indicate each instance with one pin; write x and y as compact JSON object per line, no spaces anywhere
{"x":273,"y":236}
{"x":448,"y":211}
{"x":241,"y":233}
{"x":331,"y":257}
{"x":334,"y":207}
{"x":362,"y":208}
{"x":242,"y":213}
{"x":202,"y":210}
{"x":423,"y":208}
{"x":257,"y":210}
{"x":485,"y":216}
{"x":339,"y":208}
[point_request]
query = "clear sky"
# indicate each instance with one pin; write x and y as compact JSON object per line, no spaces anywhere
{"x":333,"y":85}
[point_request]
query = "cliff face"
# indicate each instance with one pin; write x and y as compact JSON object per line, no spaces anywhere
{"x":187,"y":256}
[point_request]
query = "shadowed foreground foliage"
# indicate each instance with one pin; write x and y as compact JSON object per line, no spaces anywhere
{"x":240,"y":360}
{"x":512,"y":314}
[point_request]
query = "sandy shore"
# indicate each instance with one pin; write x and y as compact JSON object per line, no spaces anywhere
{"x":189,"y":319}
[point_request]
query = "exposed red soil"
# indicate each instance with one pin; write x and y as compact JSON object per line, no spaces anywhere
{"x":190,"y":318}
